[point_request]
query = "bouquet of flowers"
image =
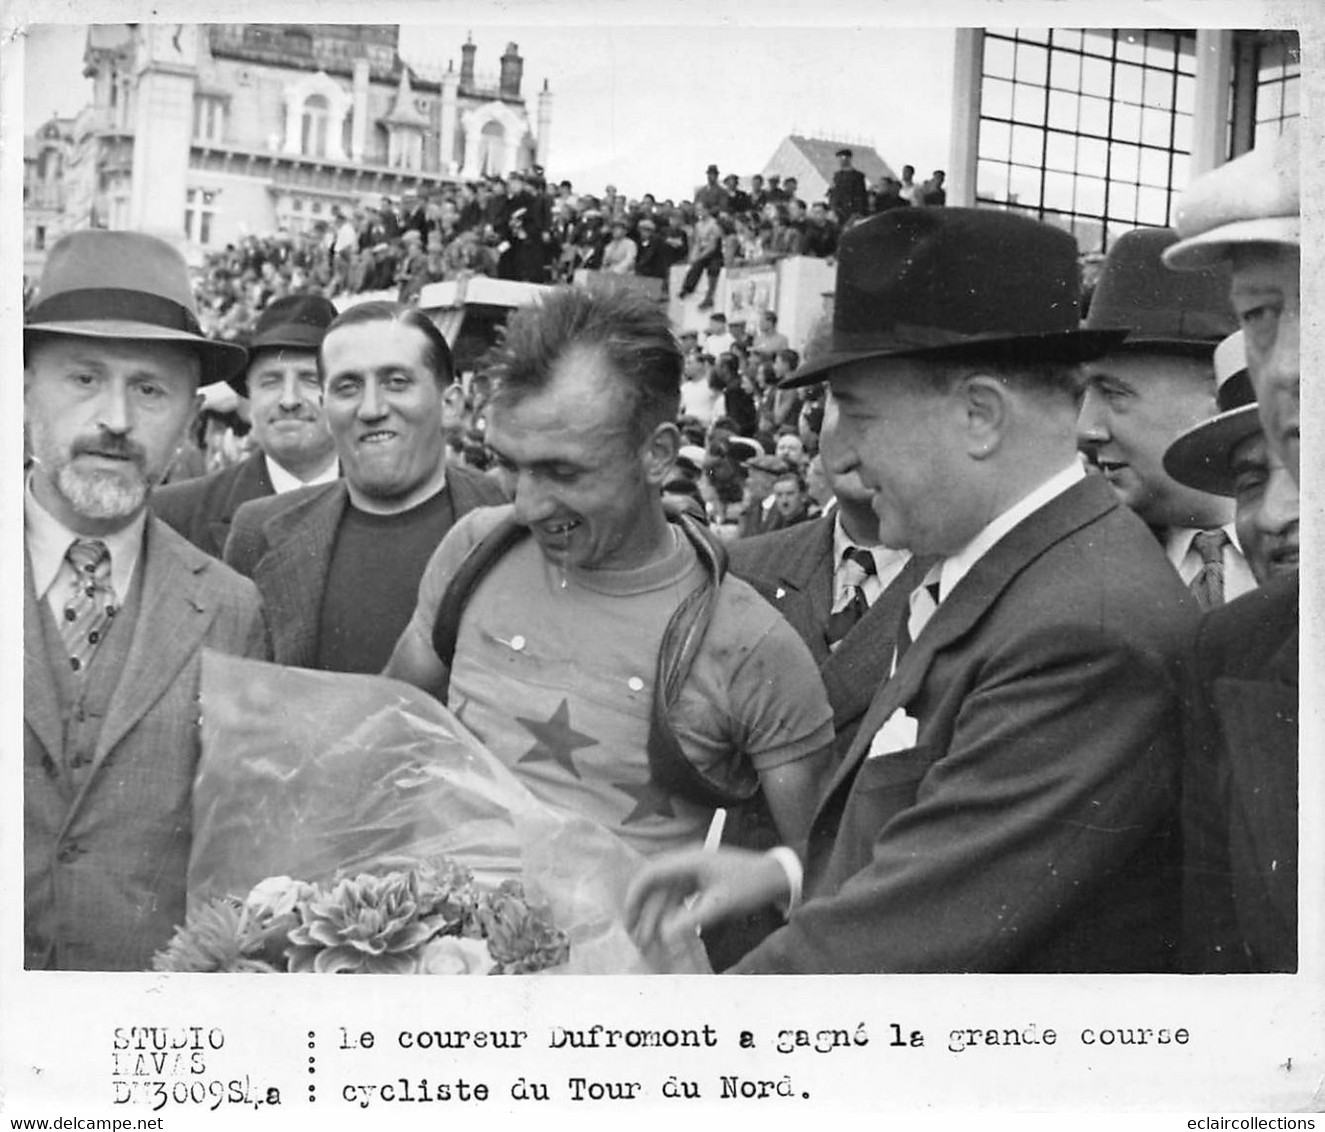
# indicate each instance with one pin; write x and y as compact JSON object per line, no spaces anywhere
{"x":426,"y":918}
{"x":412,"y":843}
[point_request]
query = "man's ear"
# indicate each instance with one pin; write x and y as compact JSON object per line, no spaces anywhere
{"x":985,"y":403}
{"x":453,"y":406}
{"x":659,"y":452}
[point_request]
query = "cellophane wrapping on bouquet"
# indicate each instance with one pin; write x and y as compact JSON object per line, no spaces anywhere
{"x":321,"y":775}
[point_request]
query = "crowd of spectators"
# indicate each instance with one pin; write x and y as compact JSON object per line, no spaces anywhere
{"x":525,"y":228}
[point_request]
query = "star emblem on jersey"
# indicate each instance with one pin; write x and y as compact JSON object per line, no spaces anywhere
{"x":556,"y":739}
{"x":651,"y":801}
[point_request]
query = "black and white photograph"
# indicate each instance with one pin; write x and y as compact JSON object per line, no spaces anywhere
{"x":669,"y":492}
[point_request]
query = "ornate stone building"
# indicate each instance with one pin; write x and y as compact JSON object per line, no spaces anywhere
{"x":206,"y":132}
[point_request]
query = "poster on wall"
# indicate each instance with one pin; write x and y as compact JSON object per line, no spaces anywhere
{"x":750,"y":292}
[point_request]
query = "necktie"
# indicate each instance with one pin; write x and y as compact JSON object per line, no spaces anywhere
{"x":923,"y":603}
{"x":858,"y":564}
{"x":1208,"y":585}
{"x":89,"y":610}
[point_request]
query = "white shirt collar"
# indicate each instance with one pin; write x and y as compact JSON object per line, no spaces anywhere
{"x":952,"y":570}
{"x":1178,"y":541}
{"x":48,"y":540}
{"x":282,"y":481}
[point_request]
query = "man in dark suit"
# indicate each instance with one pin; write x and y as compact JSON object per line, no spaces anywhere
{"x":760,"y":515}
{"x":117,"y":607}
{"x":846,"y":612}
{"x":1240,"y":794}
{"x":294,"y":447}
{"x":848,"y":196}
{"x":1008,"y":801}
{"x":1159,"y":382}
{"x":339,"y":565}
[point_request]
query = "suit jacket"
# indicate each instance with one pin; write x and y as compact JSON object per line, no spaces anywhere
{"x":202,"y":509}
{"x":755,"y":520}
{"x":105,"y":856}
{"x":284,"y":544}
{"x":792,"y":569}
{"x":1029,"y":825}
{"x":1240,"y":786}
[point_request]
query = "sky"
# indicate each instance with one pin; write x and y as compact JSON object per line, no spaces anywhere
{"x":647,"y":108}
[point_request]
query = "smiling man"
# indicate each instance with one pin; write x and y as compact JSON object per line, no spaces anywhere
{"x":339,"y":564}
{"x":600,"y":650}
{"x":294,"y":446}
{"x":1156,"y":384}
{"x":1008,"y":801}
{"x":117,"y":607}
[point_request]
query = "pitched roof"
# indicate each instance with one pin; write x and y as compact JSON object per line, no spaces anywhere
{"x":822,"y":154}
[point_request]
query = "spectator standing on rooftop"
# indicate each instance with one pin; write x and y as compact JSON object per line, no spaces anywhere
{"x":847,"y":196}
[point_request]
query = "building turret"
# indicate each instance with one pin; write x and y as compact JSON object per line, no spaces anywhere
{"x":467,"y":62}
{"x":543,"y":141}
{"x":512,"y":71}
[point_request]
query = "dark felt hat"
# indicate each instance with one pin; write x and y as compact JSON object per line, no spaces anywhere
{"x":711,"y":169}
{"x":959,"y":283}
{"x":293,"y":322}
{"x":1165,"y":311}
{"x":103,"y":284}
{"x":844,"y":152}
{"x":1200,"y":457}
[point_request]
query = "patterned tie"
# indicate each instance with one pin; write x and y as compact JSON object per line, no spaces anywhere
{"x":858,"y":564}
{"x":1208,"y":586}
{"x":92,"y":604}
{"x":923,"y":603}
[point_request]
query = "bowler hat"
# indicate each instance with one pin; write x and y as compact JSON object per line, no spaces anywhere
{"x":293,"y":322}
{"x":1165,"y":311}
{"x":711,"y":169}
{"x":1200,"y":456}
{"x":1254,"y":199}
{"x":103,"y":284}
{"x":956,"y":283}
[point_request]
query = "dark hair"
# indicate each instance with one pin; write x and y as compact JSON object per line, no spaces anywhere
{"x":436,"y":355}
{"x":792,"y":474}
{"x":631,"y":331}
{"x":790,"y":356}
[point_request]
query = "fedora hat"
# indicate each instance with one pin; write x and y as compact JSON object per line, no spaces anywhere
{"x":1165,"y":311}
{"x":1200,"y":456}
{"x":1253,"y":199}
{"x":103,"y":284}
{"x":293,"y":322}
{"x":959,"y":283}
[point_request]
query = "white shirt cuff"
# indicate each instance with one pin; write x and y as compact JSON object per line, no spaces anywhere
{"x":791,"y":865}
